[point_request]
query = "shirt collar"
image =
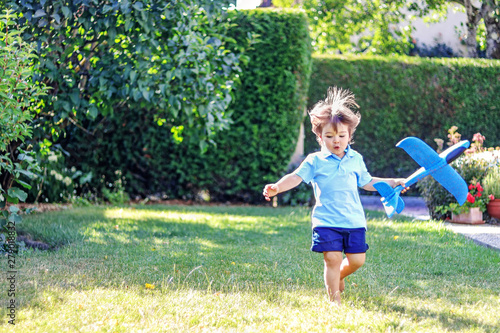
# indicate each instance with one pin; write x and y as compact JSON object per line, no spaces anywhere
{"x":325,"y":152}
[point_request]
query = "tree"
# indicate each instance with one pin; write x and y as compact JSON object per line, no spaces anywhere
{"x":19,"y":100}
{"x":489,"y":12}
{"x":19,"y":97}
{"x":375,"y":26}
{"x":104,"y":56}
{"x":478,"y":12}
{"x":339,"y":26}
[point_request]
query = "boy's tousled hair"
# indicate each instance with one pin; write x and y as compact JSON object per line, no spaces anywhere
{"x":335,"y":108}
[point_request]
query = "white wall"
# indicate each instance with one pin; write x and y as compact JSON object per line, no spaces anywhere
{"x":442,"y":32}
{"x":247,"y":4}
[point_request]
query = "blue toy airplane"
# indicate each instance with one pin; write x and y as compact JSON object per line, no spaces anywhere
{"x":431,"y":164}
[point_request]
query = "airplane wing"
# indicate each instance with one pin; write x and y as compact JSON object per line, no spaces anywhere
{"x":451,"y":180}
{"x":426,"y":157}
{"x":421,"y":152}
{"x":431,"y":164}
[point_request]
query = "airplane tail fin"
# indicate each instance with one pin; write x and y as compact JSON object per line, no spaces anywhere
{"x":384,"y":189}
{"x":390,"y":198}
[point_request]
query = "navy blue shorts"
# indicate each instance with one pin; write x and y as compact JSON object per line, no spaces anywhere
{"x":326,"y":239}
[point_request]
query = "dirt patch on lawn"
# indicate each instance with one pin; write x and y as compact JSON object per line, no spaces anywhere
{"x":28,"y":240}
{"x":43,"y":207}
{"x":33,"y":244}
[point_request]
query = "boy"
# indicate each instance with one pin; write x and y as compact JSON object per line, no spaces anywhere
{"x":335,"y":173}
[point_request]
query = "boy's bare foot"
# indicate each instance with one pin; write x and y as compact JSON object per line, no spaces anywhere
{"x":335,"y":299}
{"x":334,"y":303}
{"x":342,"y":285}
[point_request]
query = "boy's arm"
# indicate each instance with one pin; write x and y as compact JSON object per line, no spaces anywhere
{"x":284,"y":184}
{"x":393,"y":182}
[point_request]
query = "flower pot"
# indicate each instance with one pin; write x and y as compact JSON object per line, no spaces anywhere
{"x":473,"y":216}
{"x":493,"y":208}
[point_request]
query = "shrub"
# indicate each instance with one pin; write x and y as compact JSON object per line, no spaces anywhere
{"x":266,"y":113}
{"x":492,"y":182}
{"x":19,"y":96}
{"x":56,"y":182}
{"x":169,"y":56}
{"x":438,"y":50}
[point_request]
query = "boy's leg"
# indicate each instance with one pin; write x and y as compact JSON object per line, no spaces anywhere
{"x":349,"y":265}
{"x":333,"y":261}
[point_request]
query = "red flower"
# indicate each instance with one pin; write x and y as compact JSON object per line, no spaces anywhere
{"x":478,"y":195}
{"x":471,"y":187}
{"x":491,"y":196}
{"x":479,"y":187}
{"x":470,"y":198}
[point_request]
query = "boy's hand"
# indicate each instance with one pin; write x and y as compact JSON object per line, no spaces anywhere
{"x":270,"y":190}
{"x":400,"y":181}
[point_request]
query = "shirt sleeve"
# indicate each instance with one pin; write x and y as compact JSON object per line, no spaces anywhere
{"x":364,"y":176}
{"x":306,"y":169}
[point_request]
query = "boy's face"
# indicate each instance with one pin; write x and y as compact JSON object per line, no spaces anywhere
{"x":336,"y":142}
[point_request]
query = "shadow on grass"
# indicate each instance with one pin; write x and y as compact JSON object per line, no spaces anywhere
{"x":448,"y":320}
{"x":69,"y":227}
{"x":157,"y":244}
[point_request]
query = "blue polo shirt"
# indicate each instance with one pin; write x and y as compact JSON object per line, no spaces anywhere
{"x":335,"y":183}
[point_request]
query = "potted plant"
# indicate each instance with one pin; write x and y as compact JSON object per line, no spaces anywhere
{"x":471,"y":212}
{"x":492,"y":190}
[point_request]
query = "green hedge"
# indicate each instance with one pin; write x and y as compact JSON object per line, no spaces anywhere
{"x":267,"y":111}
{"x":411,"y":96}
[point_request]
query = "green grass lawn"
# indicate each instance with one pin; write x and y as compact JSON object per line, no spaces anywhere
{"x":242,"y":269}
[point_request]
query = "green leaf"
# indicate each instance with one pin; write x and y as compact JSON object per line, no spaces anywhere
{"x":133,"y":75}
{"x":43,"y":22}
{"x":14,"y":209}
{"x":203,"y":146}
{"x":93,"y":111}
{"x":106,"y":9}
{"x":23,"y":184}
{"x":66,"y":11}
{"x":25,"y":157}
{"x":39,"y":13}
{"x":30,"y":210}
{"x":15,"y":218}
{"x":27,"y":173}
{"x":138,"y":5}
{"x":128,"y":24}
{"x":75,"y":98}
{"x":86,"y":178}
{"x":12,"y":199}
{"x":57,"y":18}
{"x":17,"y":193}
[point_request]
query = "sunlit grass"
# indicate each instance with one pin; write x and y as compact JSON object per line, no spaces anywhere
{"x":225,"y":269}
